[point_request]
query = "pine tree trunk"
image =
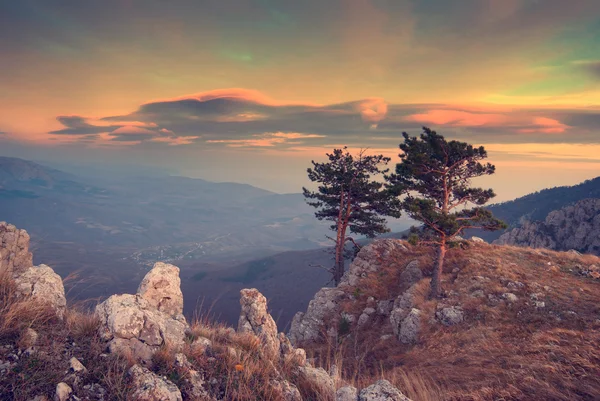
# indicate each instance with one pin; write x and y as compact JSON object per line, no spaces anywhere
{"x":338,"y":269}
{"x":436,"y":279}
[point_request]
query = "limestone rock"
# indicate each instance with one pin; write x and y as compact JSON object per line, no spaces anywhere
{"x":129,"y":322}
{"x":346,"y":393}
{"x":382,"y":390}
{"x":370,"y":259}
{"x":161,"y":287}
{"x":63,"y":392}
{"x":255,"y":318}
{"x":450,"y":316}
{"x":150,"y":387}
{"x":410,"y":327}
{"x":28,"y":338}
{"x":318,"y":379}
{"x":75,"y":366}
{"x":42,"y":284}
{"x":309,"y":326}
{"x":284,"y":390}
{"x":14,"y":249}
{"x":410,"y":275}
{"x":477,"y":239}
{"x":575,"y":227}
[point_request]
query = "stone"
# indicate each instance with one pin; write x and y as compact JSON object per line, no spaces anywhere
{"x":63,"y":392}
{"x":147,"y":386}
{"x":384,"y":308}
{"x":346,"y":393}
{"x":401,"y":308}
{"x":76,"y":367}
{"x":370,"y":259}
{"x":450,"y":316}
{"x":382,"y":390}
{"x":410,"y":327}
{"x":285,"y":391}
{"x":510,"y":297}
{"x":161,"y":287}
{"x":309,"y":326}
{"x":318,"y":379}
{"x":128,"y":323}
{"x":15,"y":257}
{"x":410,"y":275}
{"x":254,"y":318}
{"x":477,"y":239}
{"x":42,"y":284}
{"x":365,"y":317}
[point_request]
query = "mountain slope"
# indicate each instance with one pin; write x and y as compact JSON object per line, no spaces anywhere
{"x":573,"y":227}
{"x":537,"y":205}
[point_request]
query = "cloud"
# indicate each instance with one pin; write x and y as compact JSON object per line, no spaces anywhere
{"x":247,"y":119}
{"x":591,"y":67}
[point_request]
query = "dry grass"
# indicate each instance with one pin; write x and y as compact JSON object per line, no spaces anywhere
{"x":507,"y":351}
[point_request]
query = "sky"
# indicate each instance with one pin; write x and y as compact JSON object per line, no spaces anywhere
{"x":253,"y":90}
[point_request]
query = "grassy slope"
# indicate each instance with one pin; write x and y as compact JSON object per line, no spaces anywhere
{"x":508,"y":351}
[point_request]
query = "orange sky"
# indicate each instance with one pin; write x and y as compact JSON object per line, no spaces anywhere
{"x":203,"y":88}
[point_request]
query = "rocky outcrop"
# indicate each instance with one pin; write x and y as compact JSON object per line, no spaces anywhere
{"x":150,"y":387}
{"x":309,"y":326}
{"x":382,"y":390}
{"x":43,"y":285}
{"x":161,"y":287}
{"x":573,"y":227}
{"x":254,"y":318}
{"x":346,"y":393}
{"x":370,"y":259}
{"x":134,"y":323}
{"x":15,"y":257}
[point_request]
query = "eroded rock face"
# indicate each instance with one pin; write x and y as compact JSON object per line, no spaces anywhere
{"x":255,"y":318}
{"x":309,"y":326}
{"x":369,"y":260}
{"x":15,"y":257}
{"x":382,"y":390}
{"x":150,"y":387}
{"x":42,"y":284}
{"x":318,"y":378}
{"x":573,"y":227}
{"x":410,"y":327}
{"x":129,"y":322}
{"x":161,"y":287}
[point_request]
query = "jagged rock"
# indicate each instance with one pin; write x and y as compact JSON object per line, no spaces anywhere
{"x":346,"y":393}
{"x":75,"y":366}
{"x":63,"y":392}
{"x":194,"y":388}
{"x":309,"y":326}
{"x":254,"y":318}
{"x":43,"y":285}
{"x":365,"y":316}
{"x":410,"y":327}
{"x":575,"y":227}
{"x":382,"y":390}
{"x":161,"y":287}
{"x":385,"y":307}
{"x":15,"y":257}
{"x":129,"y":322}
{"x":369,"y":260}
{"x":290,"y":354}
{"x":201,"y":344}
{"x":284,"y":390}
{"x":510,"y":297}
{"x":402,"y":306}
{"x":477,"y":239}
{"x":450,"y":316}
{"x":150,"y":387}
{"x":410,"y":275}
{"x":318,"y":378}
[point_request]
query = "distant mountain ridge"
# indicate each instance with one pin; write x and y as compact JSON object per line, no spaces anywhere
{"x":572,"y":227}
{"x":537,"y":205}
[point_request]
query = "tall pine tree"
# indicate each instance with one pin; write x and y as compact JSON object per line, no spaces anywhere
{"x":348,"y":196}
{"x":435,"y":177}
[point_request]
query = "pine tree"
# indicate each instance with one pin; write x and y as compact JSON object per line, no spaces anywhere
{"x":435,"y":177}
{"x":350,"y":198}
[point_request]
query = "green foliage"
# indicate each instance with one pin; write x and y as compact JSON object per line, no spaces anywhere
{"x":435,"y":175}
{"x":350,"y":197}
{"x":343,"y":326}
